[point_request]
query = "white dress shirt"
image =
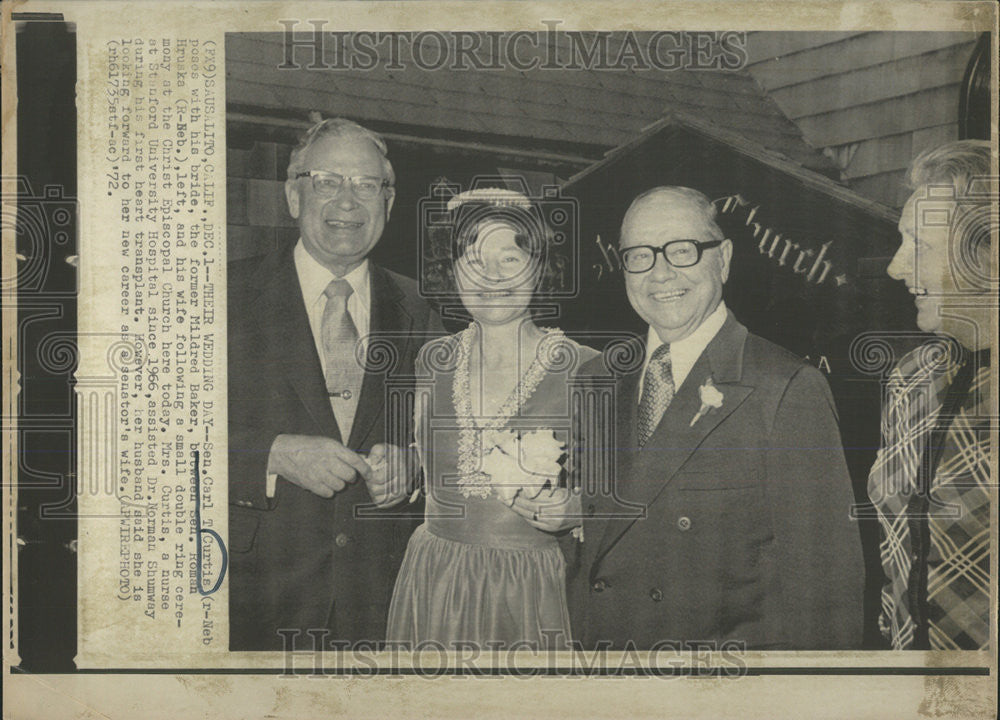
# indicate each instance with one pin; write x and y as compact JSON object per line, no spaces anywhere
{"x":685,"y":353}
{"x":313,"y":279}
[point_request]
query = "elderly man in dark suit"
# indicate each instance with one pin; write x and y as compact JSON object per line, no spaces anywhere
{"x":728,"y":515}
{"x":314,"y":552}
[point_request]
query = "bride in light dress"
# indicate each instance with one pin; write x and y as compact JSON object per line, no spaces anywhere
{"x":486,"y":566}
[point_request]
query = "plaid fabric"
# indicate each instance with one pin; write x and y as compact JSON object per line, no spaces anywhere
{"x":954,"y":514}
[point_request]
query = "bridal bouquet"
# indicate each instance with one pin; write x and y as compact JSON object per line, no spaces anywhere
{"x":522,"y":462}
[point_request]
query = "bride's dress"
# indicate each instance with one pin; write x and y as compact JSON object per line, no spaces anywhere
{"x":475,"y":570}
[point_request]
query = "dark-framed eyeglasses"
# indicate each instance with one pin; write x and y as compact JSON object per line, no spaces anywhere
{"x":327,"y":183}
{"x":679,"y":253}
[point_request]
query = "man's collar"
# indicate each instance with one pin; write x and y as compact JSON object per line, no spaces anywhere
{"x":314,"y":277}
{"x":684,"y":353}
{"x":697,"y":341}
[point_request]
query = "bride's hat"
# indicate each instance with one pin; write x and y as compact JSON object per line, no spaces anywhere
{"x":497,"y":197}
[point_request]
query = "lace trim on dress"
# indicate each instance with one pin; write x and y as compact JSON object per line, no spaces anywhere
{"x":475,"y":439}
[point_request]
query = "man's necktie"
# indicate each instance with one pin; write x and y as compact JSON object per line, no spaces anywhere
{"x":343,"y":372}
{"x":657,"y":392}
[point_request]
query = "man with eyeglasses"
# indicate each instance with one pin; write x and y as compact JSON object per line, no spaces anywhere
{"x":314,"y":549}
{"x":727,"y":515}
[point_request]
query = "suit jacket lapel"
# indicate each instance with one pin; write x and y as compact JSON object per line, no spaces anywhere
{"x":645,"y":473}
{"x":390,"y":323}
{"x":281,"y":312}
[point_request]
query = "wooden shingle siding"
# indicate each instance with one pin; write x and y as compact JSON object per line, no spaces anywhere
{"x":873,"y":84}
{"x":769,"y":45}
{"x":593,"y":107}
{"x":282,"y":97}
{"x":874,"y":156}
{"x":895,"y":152}
{"x":879,"y":119}
{"x":873,"y":101}
{"x":931,"y":137}
{"x":851,"y":54}
{"x":887,"y":187}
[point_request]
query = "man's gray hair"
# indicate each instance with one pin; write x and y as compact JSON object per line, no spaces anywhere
{"x":339,"y":127}
{"x":960,"y":164}
{"x":684,"y":194}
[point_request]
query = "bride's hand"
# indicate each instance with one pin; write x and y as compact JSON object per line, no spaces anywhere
{"x":550,"y":510}
{"x":393,"y":470}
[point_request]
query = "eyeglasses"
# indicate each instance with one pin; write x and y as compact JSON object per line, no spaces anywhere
{"x":679,"y":253}
{"x":328,"y":184}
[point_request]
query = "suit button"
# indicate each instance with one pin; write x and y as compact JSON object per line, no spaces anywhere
{"x":591,"y":509}
{"x":656,"y":595}
{"x":599,"y":585}
{"x":684,"y":523}
{"x":341,"y":539}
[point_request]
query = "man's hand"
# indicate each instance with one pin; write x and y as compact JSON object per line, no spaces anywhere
{"x":318,"y":464}
{"x":393,"y":472}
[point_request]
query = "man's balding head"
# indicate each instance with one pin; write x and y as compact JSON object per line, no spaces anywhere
{"x":675,"y":301}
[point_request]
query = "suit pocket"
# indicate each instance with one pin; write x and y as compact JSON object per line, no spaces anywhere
{"x":243,"y":526}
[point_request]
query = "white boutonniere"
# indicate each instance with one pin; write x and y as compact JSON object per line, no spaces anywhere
{"x":711,"y":398}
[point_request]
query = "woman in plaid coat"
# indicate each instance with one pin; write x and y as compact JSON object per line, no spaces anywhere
{"x":932,"y":479}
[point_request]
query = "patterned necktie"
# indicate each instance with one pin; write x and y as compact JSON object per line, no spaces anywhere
{"x":343,"y":373}
{"x":657,"y":392}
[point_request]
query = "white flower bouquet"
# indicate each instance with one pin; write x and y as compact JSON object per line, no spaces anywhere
{"x":522,"y":462}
